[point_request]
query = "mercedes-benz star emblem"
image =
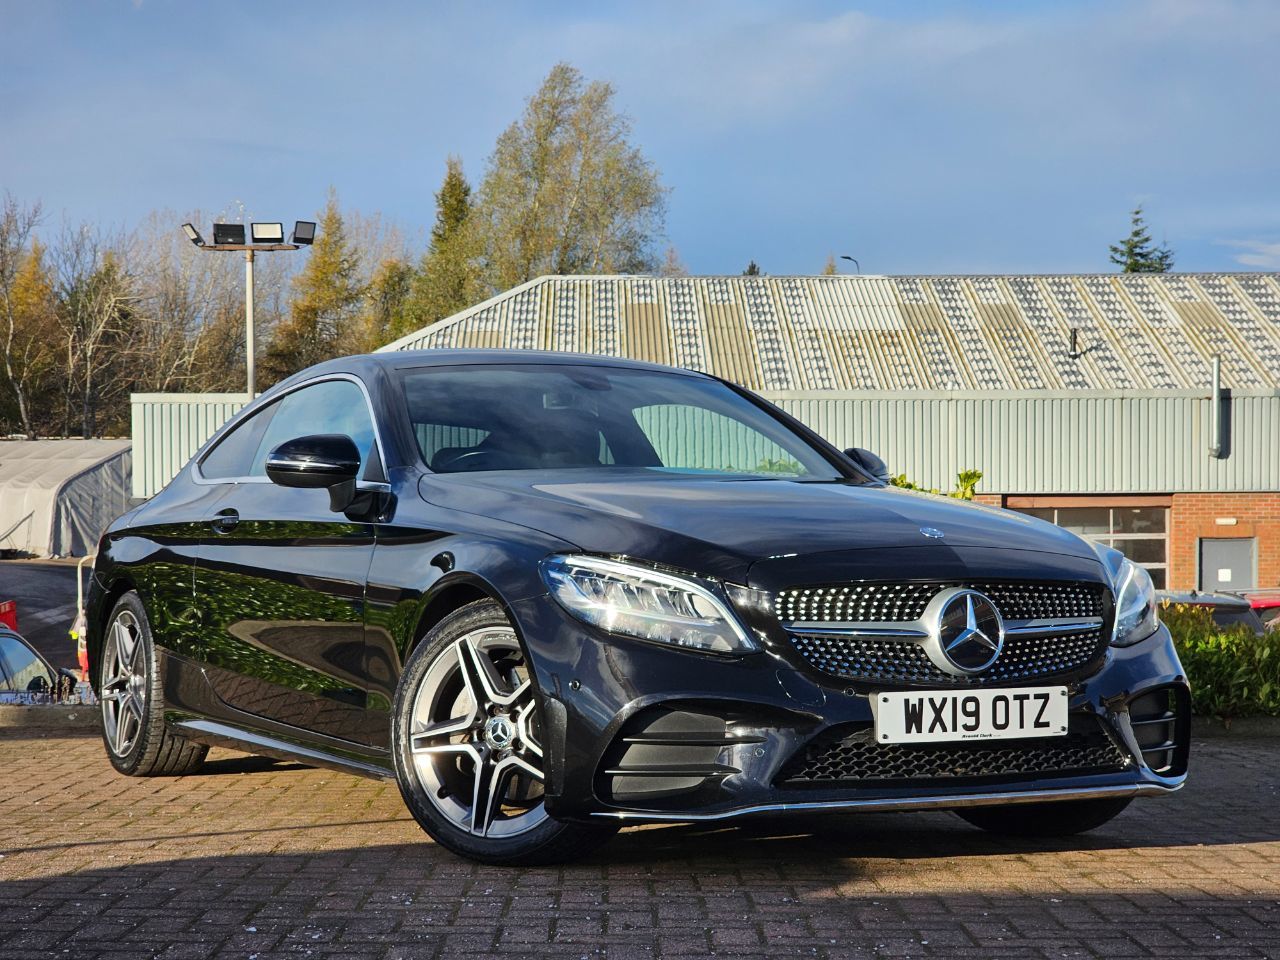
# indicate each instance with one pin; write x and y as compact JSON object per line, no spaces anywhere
{"x":933,"y":533}
{"x":966,"y":631}
{"x":498,"y":732}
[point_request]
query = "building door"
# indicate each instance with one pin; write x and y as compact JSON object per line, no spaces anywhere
{"x":1228,"y":564}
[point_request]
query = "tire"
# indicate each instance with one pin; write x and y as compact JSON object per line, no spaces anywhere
{"x":131,"y":697}
{"x":469,"y":767}
{"x":1063,"y":818}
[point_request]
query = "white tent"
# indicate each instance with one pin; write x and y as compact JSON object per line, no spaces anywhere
{"x":57,"y":496}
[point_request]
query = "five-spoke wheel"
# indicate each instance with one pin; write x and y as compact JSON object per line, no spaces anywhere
{"x":468,"y":746}
{"x":473,"y":737}
{"x":124,"y":684}
{"x":138,"y":741}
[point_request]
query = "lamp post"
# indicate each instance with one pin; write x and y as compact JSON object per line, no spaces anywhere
{"x":845,"y":256}
{"x":263,"y":237}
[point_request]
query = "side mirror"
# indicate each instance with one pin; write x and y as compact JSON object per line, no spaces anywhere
{"x":325,"y":461}
{"x":869,"y":462}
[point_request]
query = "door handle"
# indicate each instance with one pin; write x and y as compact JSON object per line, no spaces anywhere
{"x":224,"y":521}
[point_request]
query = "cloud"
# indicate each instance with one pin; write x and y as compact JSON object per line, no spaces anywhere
{"x":1262,"y":254}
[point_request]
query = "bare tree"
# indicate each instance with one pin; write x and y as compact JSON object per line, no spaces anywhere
{"x":98,"y":295}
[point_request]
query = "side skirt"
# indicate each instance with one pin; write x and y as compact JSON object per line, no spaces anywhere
{"x":223,"y":735}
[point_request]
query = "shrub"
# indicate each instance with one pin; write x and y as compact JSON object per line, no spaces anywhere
{"x":966,"y":484}
{"x":1233,"y":671}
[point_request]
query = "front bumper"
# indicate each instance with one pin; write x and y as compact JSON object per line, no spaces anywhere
{"x":642,"y":732}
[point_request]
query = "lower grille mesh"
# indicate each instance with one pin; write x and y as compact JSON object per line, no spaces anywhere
{"x":859,"y":758}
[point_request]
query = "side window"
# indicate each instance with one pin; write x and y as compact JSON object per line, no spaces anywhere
{"x":22,"y":672}
{"x":696,"y":439}
{"x":333,"y":406}
{"x":233,"y":456}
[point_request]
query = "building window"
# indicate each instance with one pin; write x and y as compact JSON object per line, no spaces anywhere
{"x":1140,"y":532}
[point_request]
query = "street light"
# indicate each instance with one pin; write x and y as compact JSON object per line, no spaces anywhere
{"x":304,"y":231}
{"x":266,"y":237}
{"x":267,"y":232}
{"x":845,"y":256}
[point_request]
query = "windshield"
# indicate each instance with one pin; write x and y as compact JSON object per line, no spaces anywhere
{"x":538,"y":417}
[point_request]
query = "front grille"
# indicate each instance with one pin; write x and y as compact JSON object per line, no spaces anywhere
{"x":857,"y":757}
{"x":884,"y":602}
{"x":903,"y":661}
{"x":849,"y":656}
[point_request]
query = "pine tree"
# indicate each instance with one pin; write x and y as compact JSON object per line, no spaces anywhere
{"x":450,"y":276}
{"x":1137,"y":253}
{"x":753,"y":270}
{"x":327,"y":297}
{"x":672,"y":265}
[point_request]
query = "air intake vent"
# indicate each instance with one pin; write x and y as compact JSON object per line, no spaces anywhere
{"x":1161,"y":722}
{"x":843,"y":757}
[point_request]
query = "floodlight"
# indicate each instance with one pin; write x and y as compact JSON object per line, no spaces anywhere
{"x":267,"y":232}
{"x":304,"y":232}
{"x":193,"y":234}
{"x":232,"y":233}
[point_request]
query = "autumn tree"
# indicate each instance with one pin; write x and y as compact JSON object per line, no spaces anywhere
{"x":566,"y":191}
{"x":829,"y":268}
{"x":450,"y":276}
{"x":387,"y":304}
{"x":1137,"y":253}
{"x":26,"y":308}
{"x":327,"y":299}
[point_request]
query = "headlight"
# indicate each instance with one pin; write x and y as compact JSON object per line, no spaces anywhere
{"x":1136,"y":608}
{"x":645,"y":604}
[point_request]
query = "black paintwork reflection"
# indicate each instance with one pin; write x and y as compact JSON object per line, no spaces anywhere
{"x":281,"y":595}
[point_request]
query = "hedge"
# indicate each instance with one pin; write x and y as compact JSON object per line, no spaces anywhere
{"x":1233,"y":671}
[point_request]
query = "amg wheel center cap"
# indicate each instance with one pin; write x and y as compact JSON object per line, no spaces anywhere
{"x":966,"y":631}
{"x":499,"y":732}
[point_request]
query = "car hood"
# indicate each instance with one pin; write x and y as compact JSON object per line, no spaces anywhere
{"x":722,"y":526}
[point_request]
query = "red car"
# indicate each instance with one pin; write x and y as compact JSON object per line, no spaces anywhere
{"x":1266,"y":604}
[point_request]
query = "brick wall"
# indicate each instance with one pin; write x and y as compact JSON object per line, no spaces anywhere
{"x":1195,"y":515}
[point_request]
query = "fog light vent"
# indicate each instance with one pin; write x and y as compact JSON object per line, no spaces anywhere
{"x":1161,"y":721}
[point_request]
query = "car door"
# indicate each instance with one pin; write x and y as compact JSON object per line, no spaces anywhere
{"x":280,"y":578}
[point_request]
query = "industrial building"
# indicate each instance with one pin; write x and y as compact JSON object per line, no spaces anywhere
{"x":1086,"y":400}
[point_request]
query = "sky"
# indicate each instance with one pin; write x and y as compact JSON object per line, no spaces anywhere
{"x":921,"y":137}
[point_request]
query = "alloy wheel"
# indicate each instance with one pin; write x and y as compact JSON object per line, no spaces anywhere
{"x":474,"y":739}
{"x":124,"y":684}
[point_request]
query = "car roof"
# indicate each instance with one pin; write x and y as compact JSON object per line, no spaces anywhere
{"x":1198,"y":598}
{"x":406,"y":359}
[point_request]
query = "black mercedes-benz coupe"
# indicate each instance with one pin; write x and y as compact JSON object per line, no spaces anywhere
{"x":553,"y":594}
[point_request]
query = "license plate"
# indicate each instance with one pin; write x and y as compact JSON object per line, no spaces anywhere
{"x":931,"y":716}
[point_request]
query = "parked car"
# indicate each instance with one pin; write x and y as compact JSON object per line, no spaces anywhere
{"x":25,"y":675}
{"x":550,"y":595}
{"x":1266,"y":604}
{"x":1228,"y":609}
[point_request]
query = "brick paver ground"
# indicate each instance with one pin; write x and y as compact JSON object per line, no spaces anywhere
{"x":256,"y":859}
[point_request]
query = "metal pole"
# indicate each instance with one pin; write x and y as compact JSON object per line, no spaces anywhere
{"x":1215,"y":406}
{"x":248,"y":320}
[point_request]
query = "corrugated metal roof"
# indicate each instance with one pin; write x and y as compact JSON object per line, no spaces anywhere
{"x":1134,"y":331}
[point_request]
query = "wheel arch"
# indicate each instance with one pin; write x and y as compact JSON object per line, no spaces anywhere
{"x":451,"y":593}
{"x":120,"y":584}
